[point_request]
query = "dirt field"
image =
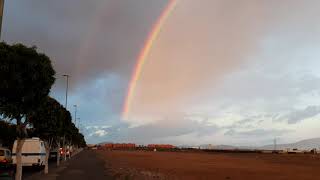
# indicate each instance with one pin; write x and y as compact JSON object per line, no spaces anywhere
{"x":183,"y":165}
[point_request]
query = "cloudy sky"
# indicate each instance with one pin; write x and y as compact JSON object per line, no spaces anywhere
{"x":221,"y":71}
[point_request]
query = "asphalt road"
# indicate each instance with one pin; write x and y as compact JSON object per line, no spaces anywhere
{"x":84,"y":166}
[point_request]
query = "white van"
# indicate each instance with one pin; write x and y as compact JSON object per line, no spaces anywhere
{"x":33,"y":152}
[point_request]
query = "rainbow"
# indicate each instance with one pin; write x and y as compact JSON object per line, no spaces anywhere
{"x":155,"y":31}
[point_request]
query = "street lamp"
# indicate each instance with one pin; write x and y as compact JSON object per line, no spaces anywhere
{"x":67,"y":76}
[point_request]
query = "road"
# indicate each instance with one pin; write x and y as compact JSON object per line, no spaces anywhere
{"x":85,"y":165}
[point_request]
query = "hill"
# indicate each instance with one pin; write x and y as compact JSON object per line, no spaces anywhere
{"x":303,"y":145}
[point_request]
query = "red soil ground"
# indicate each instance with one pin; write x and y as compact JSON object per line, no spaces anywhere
{"x":184,"y":165}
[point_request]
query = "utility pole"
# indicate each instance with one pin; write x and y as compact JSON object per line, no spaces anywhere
{"x":275,"y":144}
{"x":1,"y":15}
{"x":67,"y":76}
{"x":75,"y":115}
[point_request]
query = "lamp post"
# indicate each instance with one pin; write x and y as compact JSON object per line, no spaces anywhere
{"x":79,"y":124}
{"x":75,"y":115}
{"x":67,"y":78}
{"x":1,"y":14}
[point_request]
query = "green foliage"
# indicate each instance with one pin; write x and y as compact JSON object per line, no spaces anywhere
{"x":7,"y":134}
{"x":46,"y":119}
{"x":52,"y":122}
{"x":79,"y":140}
{"x":26,"y":77}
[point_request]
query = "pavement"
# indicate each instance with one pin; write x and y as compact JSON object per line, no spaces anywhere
{"x":83,"y":166}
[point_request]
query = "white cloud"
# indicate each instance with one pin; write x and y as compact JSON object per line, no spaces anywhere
{"x":99,"y":133}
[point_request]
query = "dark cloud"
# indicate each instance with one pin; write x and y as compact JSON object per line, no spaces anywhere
{"x":230,"y":132}
{"x":309,"y":84}
{"x":83,"y":38}
{"x":244,"y":121}
{"x":300,"y":115}
{"x":171,"y":127}
{"x":257,"y":132}
{"x":89,"y":40}
{"x":163,"y":129}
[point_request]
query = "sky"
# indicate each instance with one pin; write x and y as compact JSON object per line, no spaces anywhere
{"x":220,"y":72}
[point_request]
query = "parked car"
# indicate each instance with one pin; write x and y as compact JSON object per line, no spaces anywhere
{"x":53,"y":155}
{"x":7,"y":169}
{"x":33,"y":152}
{"x":5,"y":155}
{"x":66,"y":152}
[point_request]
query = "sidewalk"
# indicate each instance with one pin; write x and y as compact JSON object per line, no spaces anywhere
{"x":85,"y":165}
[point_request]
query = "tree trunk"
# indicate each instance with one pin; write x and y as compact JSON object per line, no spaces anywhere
{"x":58,"y":157}
{"x":46,"y":168}
{"x":22,"y":133}
{"x":69,"y":150}
{"x":19,"y":159}
{"x":65,"y":152}
{"x":64,"y":149}
{"x":48,"y":145}
{"x":58,"y":153}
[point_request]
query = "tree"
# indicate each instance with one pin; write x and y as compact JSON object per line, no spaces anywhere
{"x":26,"y":77}
{"x":65,"y":131}
{"x":46,"y":122}
{"x":7,"y":133}
{"x":70,"y":133}
{"x":52,"y":122}
{"x":79,"y":140}
{"x":63,"y":124}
